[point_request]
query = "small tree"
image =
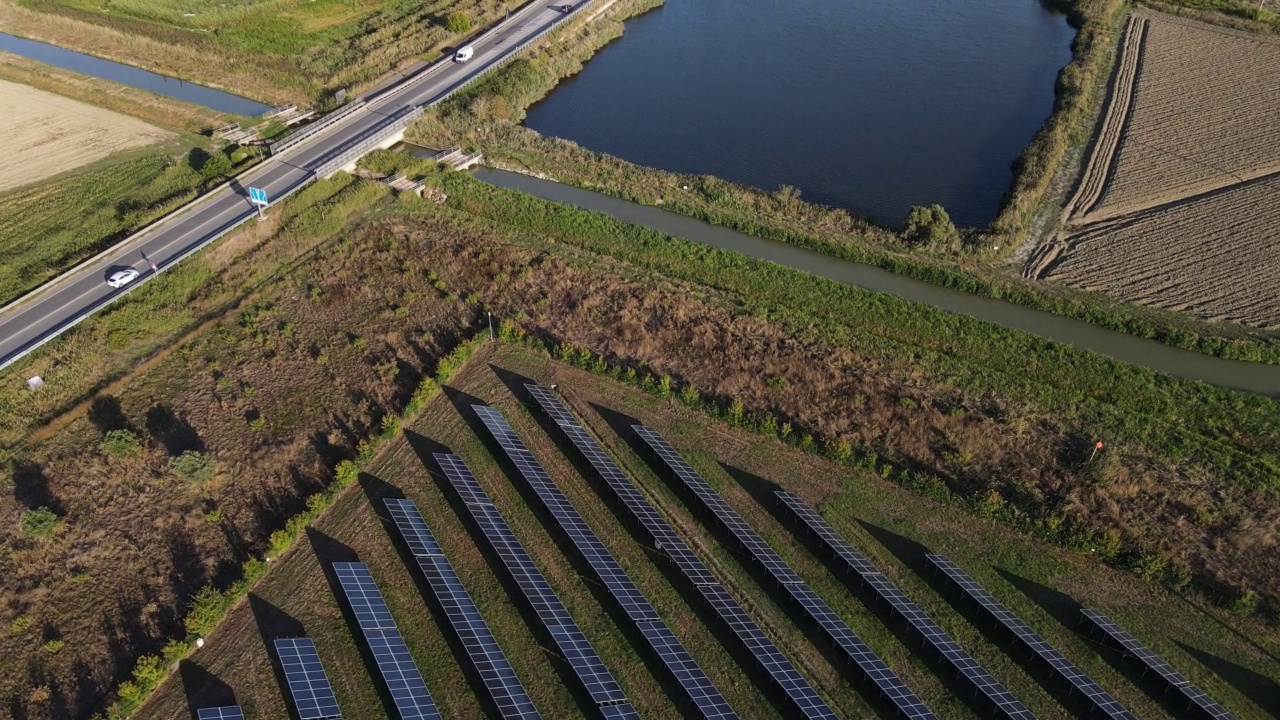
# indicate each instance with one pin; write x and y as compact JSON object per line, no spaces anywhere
{"x":120,"y":444}
{"x":38,"y":524}
{"x":458,"y":22}
{"x":193,"y":466}
{"x":931,"y":226}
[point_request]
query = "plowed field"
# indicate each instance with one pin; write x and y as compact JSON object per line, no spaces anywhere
{"x":1205,"y":114}
{"x":1217,"y":256}
{"x":1179,"y":201}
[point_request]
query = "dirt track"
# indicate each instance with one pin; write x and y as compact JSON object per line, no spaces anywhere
{"x":1177,"y":204}
{"x":42,"y":134}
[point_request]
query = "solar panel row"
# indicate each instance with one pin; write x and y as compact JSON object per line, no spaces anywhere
{"x":934,"y":636}
{"x":491,"y":664}
{"x":399,"y":671}
{"x":1060,"y":666}
{"x":312,"y":694}
{"x":870,"y":664}
{"x":697,"y":686}
{"x":228,"y":712}
{"x":1134,"y":648}
{"x":765,"y":652}
{"x":573,"y":645}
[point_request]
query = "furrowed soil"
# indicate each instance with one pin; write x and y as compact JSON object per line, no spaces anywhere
{"x":323,"y":348}
{"x":1175,"y":205}
{"x":1217,"y":256}
{"x":43,"y":134}
{"x":1044,"y":585}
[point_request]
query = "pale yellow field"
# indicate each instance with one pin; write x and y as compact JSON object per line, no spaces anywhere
{"x":42,"y":134}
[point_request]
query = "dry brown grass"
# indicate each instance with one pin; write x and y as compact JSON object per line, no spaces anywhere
{"x":43,"y":134}
{"x":1176,"y":207}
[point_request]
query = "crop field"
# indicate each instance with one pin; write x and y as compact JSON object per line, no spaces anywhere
{"x":1174,"y":205}
{"x":267,"y":49}
{"x":43,"y":134}
{"x":297,"y":596}
{"x":1217,"y":256}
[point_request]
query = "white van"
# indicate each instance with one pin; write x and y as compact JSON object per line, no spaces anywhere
{"x":464,"y":53}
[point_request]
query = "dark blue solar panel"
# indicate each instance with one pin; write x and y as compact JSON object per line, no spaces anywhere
{"x":312,"y":694}
{"x":228,"y":712}
{"x":762,"y":649}
{"x":399,"y":671}
{"x":573,"y":645}
{"x":692,"y":680}
{"x":482,"y":649}
{"x":1004,"y":701}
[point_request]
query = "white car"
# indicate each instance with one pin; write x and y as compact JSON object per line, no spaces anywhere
{"x":120,"y":278}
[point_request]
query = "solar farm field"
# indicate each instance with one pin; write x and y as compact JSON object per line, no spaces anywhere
{"x":1177,"y":203}
{"x":891,"y":527}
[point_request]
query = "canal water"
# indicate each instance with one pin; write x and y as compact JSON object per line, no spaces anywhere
{"x":1250,"y":377}
{"x":868,"y":105}
{"x":131,"y":76}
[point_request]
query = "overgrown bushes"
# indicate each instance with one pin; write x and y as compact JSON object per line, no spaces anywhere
{"x":210,"y":605}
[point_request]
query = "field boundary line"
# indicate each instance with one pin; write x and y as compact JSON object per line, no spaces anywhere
{"x":1102,"y":160}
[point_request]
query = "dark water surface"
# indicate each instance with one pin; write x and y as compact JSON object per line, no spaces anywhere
{"x":870,"y":105}
{"x":1250,"y":377}
{"x":131,"y":76}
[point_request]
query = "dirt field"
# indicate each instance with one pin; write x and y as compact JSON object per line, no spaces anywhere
{"x":1174,"y":206}
{"x":883,"y":520}
{"x":43,"y":134}
{"x":1217,"y":256}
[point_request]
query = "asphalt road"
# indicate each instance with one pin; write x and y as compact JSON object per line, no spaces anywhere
{"x":65,"y":301}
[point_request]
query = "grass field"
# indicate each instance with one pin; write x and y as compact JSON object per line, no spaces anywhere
{"x":267,"y":49}
{"x":46,"y":134}
{"x":1173,"y":206}
{"x":1044,"y":585}
{"x":290,"y":341}
{"x":49,"y":227}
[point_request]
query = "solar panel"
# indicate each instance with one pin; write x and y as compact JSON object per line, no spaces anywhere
{"x":573,"y":645}
{"x":889,"y":684}
{"x":482,"y":649}
{"x":1154,"y":663}
{"x":229,"y":712}
{"x":691,"y":678}
{"x":413,"y":528}
{"x":1061,"y":666}
{"x":621,"y":711}
{"x":399,"y":671}
{"x":312,"y":694}
{"x":762,"y":649}
{"x":934,"y":636}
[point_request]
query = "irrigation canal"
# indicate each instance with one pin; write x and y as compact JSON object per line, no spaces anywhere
{"x":1258,"y":378}
{"x":131,"y":76}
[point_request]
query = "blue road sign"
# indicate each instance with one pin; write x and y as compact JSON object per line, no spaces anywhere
{"x":258,"y":195}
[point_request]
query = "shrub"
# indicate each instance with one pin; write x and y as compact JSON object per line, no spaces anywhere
{"x":193,"y":466}
{"x":207,"y":608}
{"x":932,"y":227}
{"x":39,"y":523}
{"x":1148,"y":566}
{"x":53,"y":646}
{"x":689,"y":395}
{"x":20,"y":623}
{"x":458,"y":22}
{"x":120,"y":444}
{"x":347,"y":473}
{"x":1245,"y":603}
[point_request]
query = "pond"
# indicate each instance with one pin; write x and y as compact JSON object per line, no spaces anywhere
{"x":131,"y":76}
{"x":867,"y":105}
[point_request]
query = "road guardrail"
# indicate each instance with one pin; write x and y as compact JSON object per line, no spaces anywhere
{"x":323,"y":123}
